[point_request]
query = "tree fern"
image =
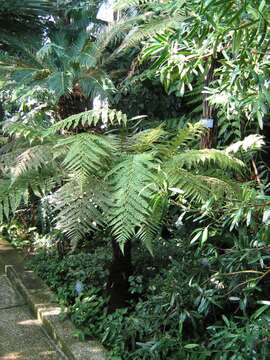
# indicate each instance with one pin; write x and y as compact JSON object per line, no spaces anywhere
{"x":123,"y":183}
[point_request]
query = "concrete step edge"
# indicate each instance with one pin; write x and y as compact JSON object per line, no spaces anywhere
{"x":39,"y":299}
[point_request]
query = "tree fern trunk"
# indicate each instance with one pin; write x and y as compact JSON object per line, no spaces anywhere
{"x":120,"y":270}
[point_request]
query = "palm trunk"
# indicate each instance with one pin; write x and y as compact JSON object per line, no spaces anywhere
{"x":73,"y":103}
{"x":120,"y":271}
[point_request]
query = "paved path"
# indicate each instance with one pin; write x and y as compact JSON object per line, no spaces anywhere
{"x":21,"y":336}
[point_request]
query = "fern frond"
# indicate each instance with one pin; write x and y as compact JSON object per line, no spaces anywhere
{"x":131,"y":181}
{"x":15,"y":193}
{"x":198,"y":188}
{"x":79,"y":206}
{"x":113,"y":34}
{"x":41,"y":181}
{"x":125,"y":4}
{"x":27,"y":131}
{"x":87,"y":153}
{"x":145,"y":140}
{"x":189,"y":133}
{"x":249,"y":143}
{"x":194,"y":158}
{"x":90,"y":118}
{"x":32,"y":159}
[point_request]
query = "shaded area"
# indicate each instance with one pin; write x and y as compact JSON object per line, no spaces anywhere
{"x":21,"y":336}
{"x":8,"y":296}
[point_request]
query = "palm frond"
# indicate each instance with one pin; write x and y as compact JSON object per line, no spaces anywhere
{"x":37,"y":7}
{"x":125,"y":4}
{"x":148,"y":30}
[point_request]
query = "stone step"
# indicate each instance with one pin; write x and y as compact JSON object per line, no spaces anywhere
{"x":21,"y":336}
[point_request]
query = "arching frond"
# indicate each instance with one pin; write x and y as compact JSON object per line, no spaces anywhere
{"x":125,"y":4}
{"x":79,"y":206}
{"x":115,"y":33}
{"x":90,"y":118}
{"x":193,"y":158}
{"x":198,"y":188}
{"x":249,"y":143}
{"x":87,"y":153}
{"x":30,"y":132}
{"x":131,"y":192}
{"x":32,"y":159}
{"x":146,"y":139}
{"x":182,"y":138}
{"x":142,"y":32}
{"x":15,"y":193}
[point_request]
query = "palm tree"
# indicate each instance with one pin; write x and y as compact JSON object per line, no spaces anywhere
{"x":29,"y":19}
{"x":71,"y":69}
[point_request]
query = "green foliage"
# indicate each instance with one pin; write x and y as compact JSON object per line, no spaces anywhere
{"x":229,"y":40}
{"x":181,"y":312}
{"x":60,"y":66}
{"x":100,"y":176}
{"x":131,"y":181}
{"x":90,"y":118}
{"x":122,"y":181}
{"x":78,"y":208}
{"x":22,"y":18}
{"x":62,"y":274}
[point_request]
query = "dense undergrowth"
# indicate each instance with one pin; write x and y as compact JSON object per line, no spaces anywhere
{"x":188,"y":302}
